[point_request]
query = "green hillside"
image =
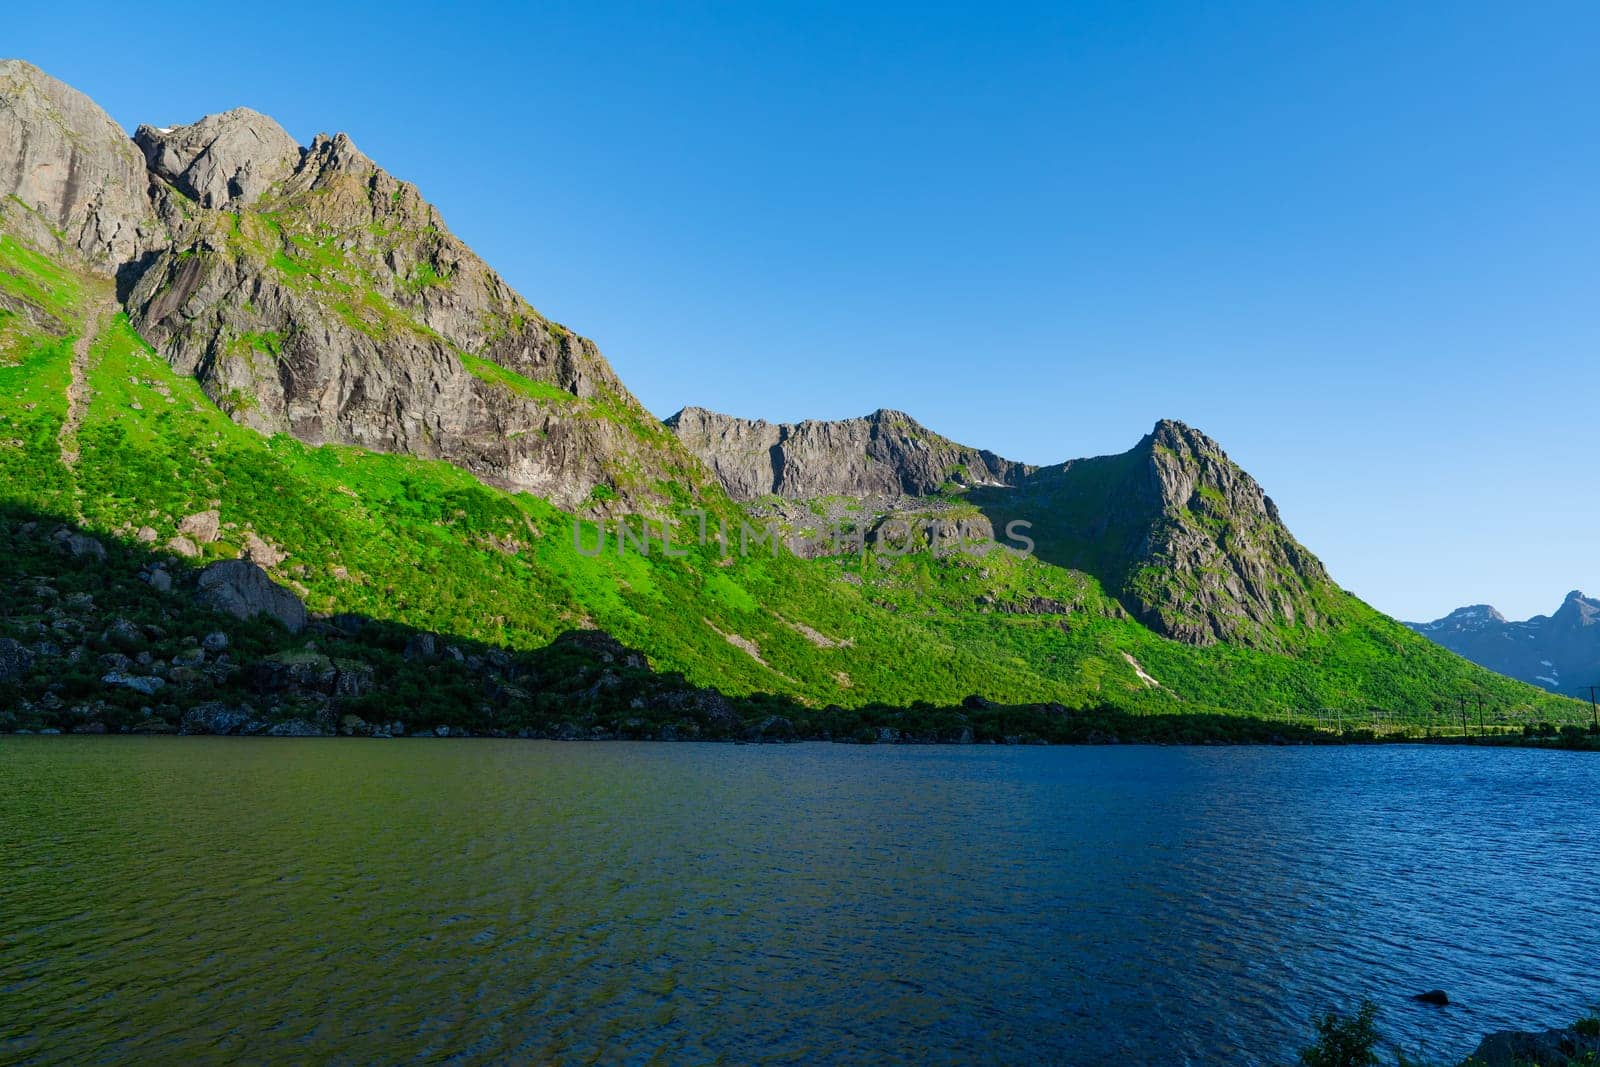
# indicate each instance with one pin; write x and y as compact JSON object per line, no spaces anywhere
{"x":98,"y":430}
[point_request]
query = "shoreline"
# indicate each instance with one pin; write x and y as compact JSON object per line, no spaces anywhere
{"x":462,"y":734}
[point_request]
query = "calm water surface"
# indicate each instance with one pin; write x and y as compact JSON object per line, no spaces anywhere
{"x":170,"y":900}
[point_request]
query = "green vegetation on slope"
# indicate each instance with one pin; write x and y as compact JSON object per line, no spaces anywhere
{"x":425,"y":545}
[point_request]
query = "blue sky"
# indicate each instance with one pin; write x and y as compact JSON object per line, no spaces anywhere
{"x":1355,"y":243}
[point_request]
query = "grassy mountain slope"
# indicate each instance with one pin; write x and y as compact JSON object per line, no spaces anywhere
{"x":425,"y":544}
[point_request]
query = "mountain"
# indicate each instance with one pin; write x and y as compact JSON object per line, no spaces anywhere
{"x":228,"y":358}
{"x":885,"y":454}
{"x":1186,"y":540}
{"x":1559,"y":652}
{"x":309,"y":292}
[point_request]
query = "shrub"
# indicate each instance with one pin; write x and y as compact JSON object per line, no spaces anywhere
{"x":1344,"y":1041}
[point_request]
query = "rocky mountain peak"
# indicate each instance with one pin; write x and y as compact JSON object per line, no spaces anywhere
{"x":222,"y":160}
{"x":1578,"y":610}
{"x":1559,"y":652}
{"x":78,"y":182}
{"x":312,"y":293}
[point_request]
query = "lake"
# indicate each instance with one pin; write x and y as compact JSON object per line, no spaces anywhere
{"x":467,"y":901}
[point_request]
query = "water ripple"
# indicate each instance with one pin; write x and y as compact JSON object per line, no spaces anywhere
{"x":205,"y":901}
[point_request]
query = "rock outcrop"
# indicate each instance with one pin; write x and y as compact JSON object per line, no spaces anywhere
{"x":312,"y":293}
{"x":1548,"y":1048}
{"x":222,"y":160}
{"x":331,"y":302}
{"x":884,"y":454}
{"x":1179,"y":533}
{"x":77,"y":179}
{"x":243,"y":590}
{"x":16,"y":659}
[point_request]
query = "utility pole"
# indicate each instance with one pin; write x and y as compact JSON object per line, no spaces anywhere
{"x":1462,"y":701}
{"x":1480,"y":714}
{"x":1593,"y":708}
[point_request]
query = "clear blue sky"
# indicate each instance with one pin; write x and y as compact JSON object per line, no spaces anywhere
{"x":1356,"y":243}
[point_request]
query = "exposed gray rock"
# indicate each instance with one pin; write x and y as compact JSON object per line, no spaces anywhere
{"x":355,"y":726}
{"x":295,"y":728}
{"x":223,"y":160}
{"x":1185,"y":539}
{"x":244,"y":591}
{"x":15,"y":659}
{"x":124,"y":635}
{"x":146,"y":684}
{"x":216,"y":718}
{"x":202,"y":527}
{"x":261,"y":553}
{"x":422,"y":648}
{"x":82,"y":546}
{"x":353,"y":680}
{"x":1551,"y":1048}
{"x":73,"y":169}
{"x":886,"y":453}
{"x":215,"y":641}
{"x":260,"y":313}
{"x":772,"y":728}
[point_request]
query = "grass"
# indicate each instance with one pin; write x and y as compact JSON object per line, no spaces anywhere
{"x":423,"y":544}
{"x":495,"y":374}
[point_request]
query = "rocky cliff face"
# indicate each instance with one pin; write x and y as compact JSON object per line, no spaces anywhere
{"x":1176,"y":530}
{"x":1185,"y":539}
{"x":312,"y":293}
{"x":76,"y":180}
{"x":885,"y":454}
{"x":1559,"y":652}
{"x":222,"y":160}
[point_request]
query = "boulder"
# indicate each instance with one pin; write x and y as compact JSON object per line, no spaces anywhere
{"x":296,"y":670}
{"x":354,"y":726}
{"x":82,"y":546}
{"x":123,"y":635}
{"x":243,"y":590}
{"x":146,"y":536}
{"x":354,"y":679}
{"x":1552,"y":1048}
{"x":294,"y":728}
{"x":15,"y":660}
{"x":215,"y":718}
{"x":422,"y":648}
{"x":260,"y":552}
{"x":215,"y":641}
{"x":202,"y":527}
{"x":159,"y":580}
{"x":771,"y":728}
{"x":1433,"y":996}
{"x":149,"y":685}
{"x":182,"y":546}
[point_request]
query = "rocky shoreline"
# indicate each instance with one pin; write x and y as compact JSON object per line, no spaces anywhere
{"x":106,"y":637}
